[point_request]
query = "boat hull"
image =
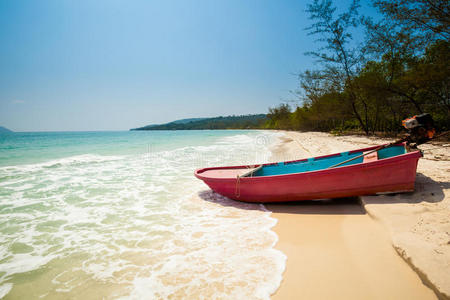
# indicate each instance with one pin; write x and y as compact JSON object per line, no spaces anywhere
{"x":396,"y":174}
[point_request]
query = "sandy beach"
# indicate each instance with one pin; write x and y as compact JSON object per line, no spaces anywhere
{"x":372,"y":247}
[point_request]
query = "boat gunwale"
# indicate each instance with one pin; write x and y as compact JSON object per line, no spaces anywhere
{"x":384,"y":161}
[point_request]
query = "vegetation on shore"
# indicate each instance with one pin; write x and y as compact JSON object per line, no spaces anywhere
{"x":401,"y":68}
{"x":230,"y":122}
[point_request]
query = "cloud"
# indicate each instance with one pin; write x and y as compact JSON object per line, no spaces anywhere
{"x":18,"y":102}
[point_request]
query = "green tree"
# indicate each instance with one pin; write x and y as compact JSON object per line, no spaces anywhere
{"x":340,"y":59}
{"x":401,"y":69}
{"x":279,"y":117}
{"x":429,"y":18}
{"x":412,"y":41}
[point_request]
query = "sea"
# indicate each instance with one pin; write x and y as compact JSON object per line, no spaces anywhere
{"x":120,"y":215}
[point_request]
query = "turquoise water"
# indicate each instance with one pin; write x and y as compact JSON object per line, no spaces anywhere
{"x":120,"y":215}
{"x":35,"y":147}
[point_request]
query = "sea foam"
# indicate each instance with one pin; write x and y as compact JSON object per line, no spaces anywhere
{"x":136,"y":226}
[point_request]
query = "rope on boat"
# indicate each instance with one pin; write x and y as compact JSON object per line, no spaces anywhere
{"x":238,"y":186}
{"x":253,"y":169}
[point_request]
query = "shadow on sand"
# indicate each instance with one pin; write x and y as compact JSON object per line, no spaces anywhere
{"x":426,"y":190}
{"x":341,"y":206}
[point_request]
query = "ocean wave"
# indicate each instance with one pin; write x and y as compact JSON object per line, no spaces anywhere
{"x":4,"y":289}
{"x":135,"y":226}
{"x":57,"y":163}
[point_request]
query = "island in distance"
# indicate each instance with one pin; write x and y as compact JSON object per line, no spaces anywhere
{"x":5,"y":130}
{"x":229,"y":122}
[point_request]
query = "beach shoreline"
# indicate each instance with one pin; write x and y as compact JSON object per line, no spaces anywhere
{"x":409,"y":232}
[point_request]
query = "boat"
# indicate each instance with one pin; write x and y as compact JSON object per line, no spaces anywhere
{"x":388,"y":168}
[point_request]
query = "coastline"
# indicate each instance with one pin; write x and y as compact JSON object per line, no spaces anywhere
{"x":372,"y":247}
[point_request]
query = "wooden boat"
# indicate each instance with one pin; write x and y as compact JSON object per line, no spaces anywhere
{"x":388,"y":170}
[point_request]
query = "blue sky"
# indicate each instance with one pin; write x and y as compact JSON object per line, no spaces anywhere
{"x":116,"y":64}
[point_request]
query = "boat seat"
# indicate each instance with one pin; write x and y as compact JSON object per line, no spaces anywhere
{"x":371,"y":157}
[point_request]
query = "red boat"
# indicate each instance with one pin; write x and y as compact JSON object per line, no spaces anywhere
{"x":354,"y":173}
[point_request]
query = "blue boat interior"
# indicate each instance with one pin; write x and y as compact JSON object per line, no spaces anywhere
{"x":315,"y":164}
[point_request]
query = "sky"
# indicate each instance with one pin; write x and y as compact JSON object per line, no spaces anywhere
{"x":118,"y":64}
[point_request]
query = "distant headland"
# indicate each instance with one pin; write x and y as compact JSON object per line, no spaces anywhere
{"x":228,"y":122}
{"x":5,"y":130}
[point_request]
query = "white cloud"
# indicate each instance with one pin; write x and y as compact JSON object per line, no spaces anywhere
{"x":18,"y":102}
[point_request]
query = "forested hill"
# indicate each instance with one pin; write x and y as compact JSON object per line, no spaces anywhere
{"x":229,"y":122}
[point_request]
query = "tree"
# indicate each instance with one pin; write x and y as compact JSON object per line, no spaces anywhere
{"x":412,"y":42}
{"x":400,"y":70}
{"x":279,"y":117}
{"x":430,"y":76}
{"x":428,"y":18}
{"x":340,"y":58}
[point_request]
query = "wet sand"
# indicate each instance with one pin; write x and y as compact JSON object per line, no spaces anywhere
{"x":337,"y":249}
